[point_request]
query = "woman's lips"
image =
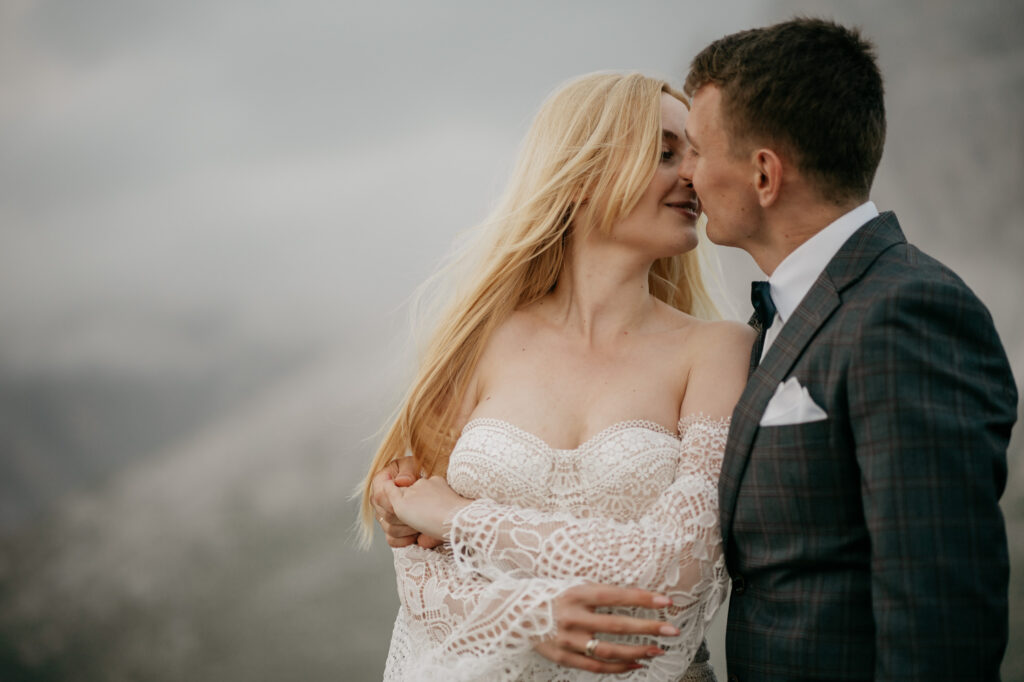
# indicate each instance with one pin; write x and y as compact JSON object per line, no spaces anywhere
{"x":689,"y":209}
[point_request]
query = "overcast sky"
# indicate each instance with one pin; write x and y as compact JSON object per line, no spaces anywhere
{"x":288,"y":170}
{"x":259,"y":166}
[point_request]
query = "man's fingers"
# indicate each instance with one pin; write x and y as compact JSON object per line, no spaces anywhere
{"x":399,"y":534}
{"x":396,"y":530}
{"x":406,"y":471}
{"x":428,"y":542}
{"x":401,"y":542}
{"x":610,"y":651}
{"x":578,"y":625}
{"x":385,"y":511}
{"x":562,"y":656}
{"x":386,"y":517}
{"x":574,"y":610}
{"x":586,"y":621}
{"x":401,"y":472}
{"x":577,"y":640}
{"x":610,"y":595}
{"x":378,"y":492}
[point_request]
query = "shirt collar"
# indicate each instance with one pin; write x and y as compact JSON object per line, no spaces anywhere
{"x":795,"y":275}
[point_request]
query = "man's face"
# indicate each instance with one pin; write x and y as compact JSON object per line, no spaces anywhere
{"x":723,"y":180}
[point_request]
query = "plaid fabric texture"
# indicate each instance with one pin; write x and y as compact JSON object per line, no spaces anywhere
{"x":870,"y":545}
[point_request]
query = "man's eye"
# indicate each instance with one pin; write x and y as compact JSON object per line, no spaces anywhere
{"x":667,"y":155}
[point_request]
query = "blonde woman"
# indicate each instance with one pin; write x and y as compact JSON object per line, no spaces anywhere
{"x":569,"y":415}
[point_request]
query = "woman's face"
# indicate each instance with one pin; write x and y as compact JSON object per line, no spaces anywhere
{"x":664,"y":221}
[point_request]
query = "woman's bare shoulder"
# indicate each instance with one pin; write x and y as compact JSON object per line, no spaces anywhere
{"x":520,"y":326}
{"x":725,"y":331}
{"x":707,"y":332}
{"x":509,"y":339}
{"x":718,"y":373}
{"x":674,"y":320}
{"x":509,"y":334}
{"x":722,"y":342}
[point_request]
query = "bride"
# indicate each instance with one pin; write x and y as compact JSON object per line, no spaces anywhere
{"x":569,"y":415}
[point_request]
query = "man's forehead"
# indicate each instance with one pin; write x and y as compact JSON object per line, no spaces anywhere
{"x":703,"y":108}
{"x":705,"y":97}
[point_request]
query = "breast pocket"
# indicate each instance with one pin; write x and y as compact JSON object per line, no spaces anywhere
{"x":795,"y":457}
{"x":799,"y":474}
{"x":794,"y":441}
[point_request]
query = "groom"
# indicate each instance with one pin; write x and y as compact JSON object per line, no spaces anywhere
{"x":866,"y":457}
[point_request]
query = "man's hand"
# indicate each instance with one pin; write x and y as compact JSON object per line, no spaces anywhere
{"x":402,"y":472}
{"x":577,"y":624}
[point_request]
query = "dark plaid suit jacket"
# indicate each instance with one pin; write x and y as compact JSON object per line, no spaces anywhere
{"x":870,"y":545}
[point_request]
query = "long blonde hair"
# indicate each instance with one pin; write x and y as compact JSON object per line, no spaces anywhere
{"x":588,"y":157}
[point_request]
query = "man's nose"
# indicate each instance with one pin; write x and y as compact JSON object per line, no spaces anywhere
{"x":686,"y":170}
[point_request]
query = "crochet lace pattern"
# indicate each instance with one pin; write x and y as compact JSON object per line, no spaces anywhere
{"x":635,"y":505}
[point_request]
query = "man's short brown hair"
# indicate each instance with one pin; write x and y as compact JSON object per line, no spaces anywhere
{"x":809,"y":86}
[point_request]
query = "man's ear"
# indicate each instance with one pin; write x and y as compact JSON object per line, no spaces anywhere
{"x":768,"y":180}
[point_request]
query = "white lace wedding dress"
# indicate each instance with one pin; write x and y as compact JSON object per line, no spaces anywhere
{"x":635,"y":505}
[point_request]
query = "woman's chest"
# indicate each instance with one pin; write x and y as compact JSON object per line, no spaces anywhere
{"x":617,"y":473}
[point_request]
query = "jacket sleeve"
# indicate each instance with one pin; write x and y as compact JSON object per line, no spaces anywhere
{"x":932,"y":402}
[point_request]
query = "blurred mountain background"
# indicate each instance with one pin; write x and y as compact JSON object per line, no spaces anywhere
{"x":211,"y":219}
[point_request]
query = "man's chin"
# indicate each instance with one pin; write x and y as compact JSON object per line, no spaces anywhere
{"x":709,"y":230}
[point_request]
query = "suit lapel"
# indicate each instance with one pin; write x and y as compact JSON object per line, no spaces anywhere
{"x":812,"y":312}
{"x":848,"y":265}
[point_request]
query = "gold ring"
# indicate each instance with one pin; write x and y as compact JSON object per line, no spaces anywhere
{"x":591,"y":647}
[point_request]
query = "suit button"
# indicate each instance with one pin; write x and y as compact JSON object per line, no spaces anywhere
{"x":739,"y":585}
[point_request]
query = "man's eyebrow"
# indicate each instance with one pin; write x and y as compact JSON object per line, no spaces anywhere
{"x":669,"y":135}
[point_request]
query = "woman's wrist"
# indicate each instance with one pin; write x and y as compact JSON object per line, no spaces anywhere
{"x":456,"y":506}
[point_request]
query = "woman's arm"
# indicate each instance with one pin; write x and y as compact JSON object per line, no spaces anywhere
{"x":459,"y":625}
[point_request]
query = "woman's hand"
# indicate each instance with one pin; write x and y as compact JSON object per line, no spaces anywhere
{"x":402,"y":472}
{"x":427,"y":505}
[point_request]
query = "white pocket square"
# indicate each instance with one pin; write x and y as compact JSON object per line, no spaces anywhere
{"x":791,"y":404}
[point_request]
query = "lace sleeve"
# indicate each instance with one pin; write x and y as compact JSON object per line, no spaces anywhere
{"x":455,"y":625}
{"x":673,"y":547}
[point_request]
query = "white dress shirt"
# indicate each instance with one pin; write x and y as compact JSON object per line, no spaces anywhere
{"x":796,"y":274}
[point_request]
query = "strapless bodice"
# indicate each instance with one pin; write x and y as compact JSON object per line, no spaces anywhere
{"x":615,"y":473}
{"x":634,"y":505}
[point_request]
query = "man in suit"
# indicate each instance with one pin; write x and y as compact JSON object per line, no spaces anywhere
{"x":866,"y":457}
{"x":859,"y":492}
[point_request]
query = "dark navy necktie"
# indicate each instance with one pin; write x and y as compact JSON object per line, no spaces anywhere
{"x":764,"y":307}
{"x":764,"y":315}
